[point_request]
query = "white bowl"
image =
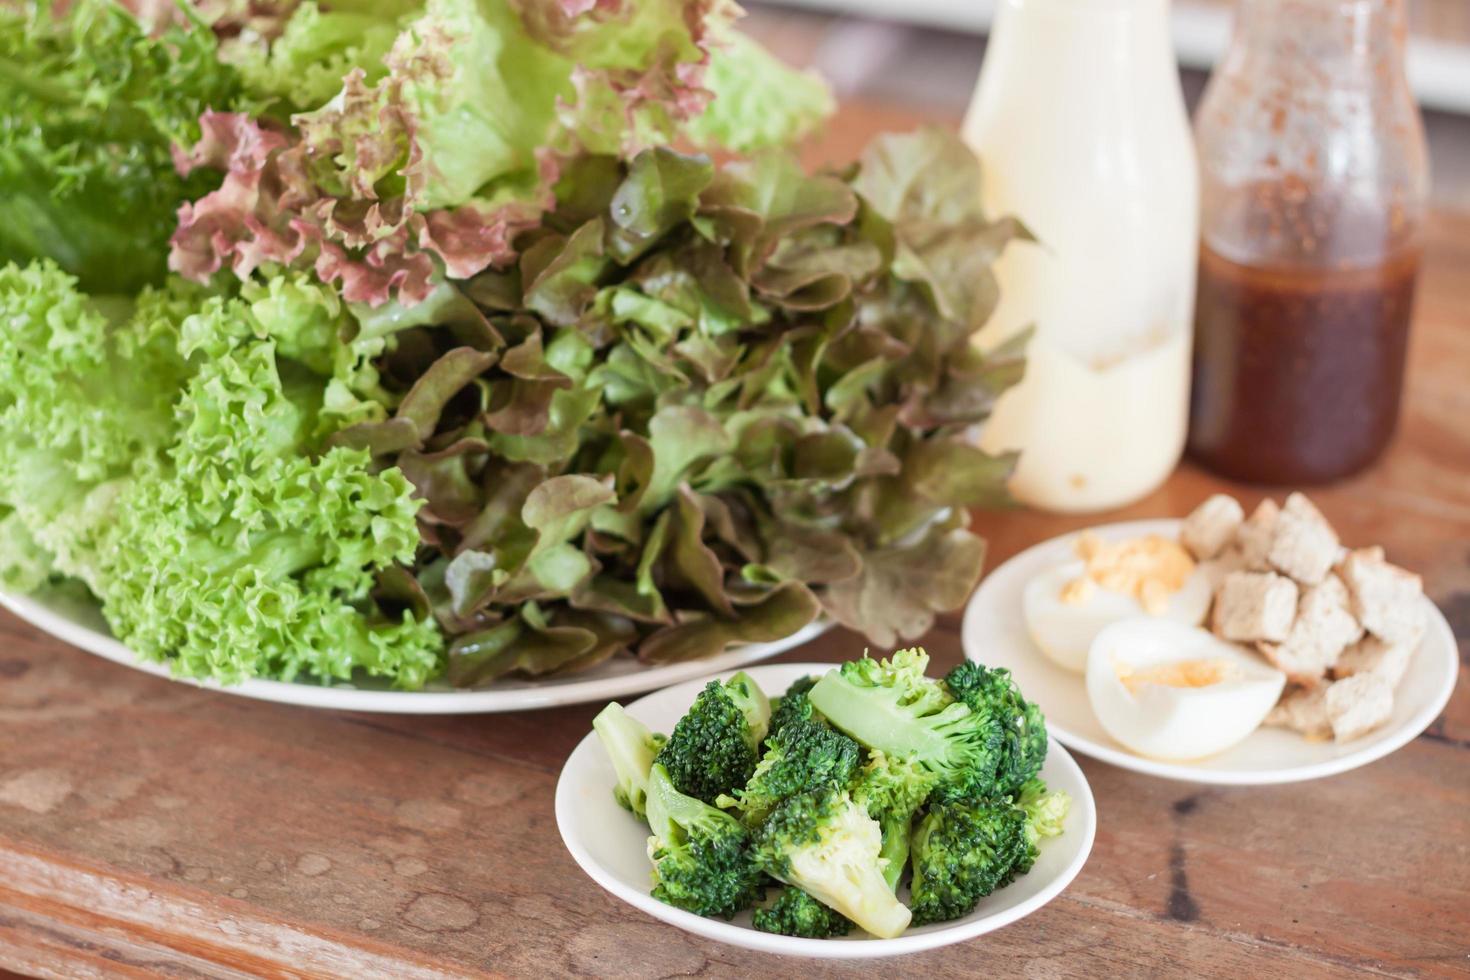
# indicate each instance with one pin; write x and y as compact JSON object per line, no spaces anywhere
{"x":994,"y":633}
{"x":611,"y":844}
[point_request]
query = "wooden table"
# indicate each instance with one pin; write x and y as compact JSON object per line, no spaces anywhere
{"x":151,"y":828}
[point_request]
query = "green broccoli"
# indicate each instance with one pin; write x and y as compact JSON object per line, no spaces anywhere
{"x":826,"y":844}
{"x":962,"y":852}
{"x":701,"y":861}
{"x":1022,"y":724}
{"x":800,"y":757}
{"x":892,"y":707}
{"x":892,"y":790}
{"x":632,"y":748}
{"x":1046,"y":812}
{"x":714,"y":748}
{"x":792,"y":706}
{"x":795,"y":913}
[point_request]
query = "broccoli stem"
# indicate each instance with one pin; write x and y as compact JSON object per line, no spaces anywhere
{"x":876,"y":722}
{"x":895,"y":850}
{"x":631,"y":746}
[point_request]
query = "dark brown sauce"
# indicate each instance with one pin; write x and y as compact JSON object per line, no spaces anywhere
{"x":1298,"y":372}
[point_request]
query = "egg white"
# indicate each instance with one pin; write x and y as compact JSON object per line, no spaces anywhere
{"x":1065,"y":631}
{"x":1177,"y":723}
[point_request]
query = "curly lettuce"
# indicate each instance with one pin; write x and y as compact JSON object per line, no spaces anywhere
{"x":91,"y":106}
{"x":168,"y":452}
{"x":433,"y":152}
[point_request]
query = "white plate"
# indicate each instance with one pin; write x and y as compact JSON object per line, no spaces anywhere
{"x":611,"y":844}
{"x":81,"y":625}
{"x":994,"y":634}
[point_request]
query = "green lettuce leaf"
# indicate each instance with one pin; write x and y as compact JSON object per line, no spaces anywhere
{"x":90,"y":108}
{"x":169,"y":453}
{"x":758,"y":102}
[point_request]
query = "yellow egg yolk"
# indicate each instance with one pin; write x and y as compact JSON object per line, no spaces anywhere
{"x":1150,"y":569}
{"x":1177,"y":673}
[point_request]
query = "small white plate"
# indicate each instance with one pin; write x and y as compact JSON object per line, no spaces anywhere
{"x":81,"y":625}
{"x":611,"y":844}
{"x":994,"y":634}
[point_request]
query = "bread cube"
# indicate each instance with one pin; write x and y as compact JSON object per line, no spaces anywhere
{"x":1303,"y":710}
{"x":1256,"y":534}
{"x":1211,"y":527}
{"x":1358,"y":705}
{"x":1254,"y":606}
{"x":1373,"y":655}
{"x":1388,"y":600}
{"x":1215,"y":569}
{"x":1303,"y":545}
{"x":1323,"y":628}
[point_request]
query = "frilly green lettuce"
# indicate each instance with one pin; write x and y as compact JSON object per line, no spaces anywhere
{"x":168,"y":453}
{"x":90,"y":108}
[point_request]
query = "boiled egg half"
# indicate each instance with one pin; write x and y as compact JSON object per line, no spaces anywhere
{"x":1066,"y":606}
{"x":1170,"y":691}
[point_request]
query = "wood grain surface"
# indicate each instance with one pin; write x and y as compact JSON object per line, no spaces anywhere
{"x":148,"y":828}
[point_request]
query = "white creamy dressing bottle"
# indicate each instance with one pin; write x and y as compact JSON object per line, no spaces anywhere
{"x":1080,"y":124}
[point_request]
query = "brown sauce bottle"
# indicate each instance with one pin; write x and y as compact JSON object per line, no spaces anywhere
{"x":1298,"y":373}
{"x":1313,"y":183}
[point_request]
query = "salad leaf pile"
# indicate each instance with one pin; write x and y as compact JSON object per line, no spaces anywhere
{"x":706,"y":404}
{"x":872,"y":796}
{"x":470,"y":361}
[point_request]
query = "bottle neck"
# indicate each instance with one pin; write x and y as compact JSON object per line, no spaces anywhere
{"x":1327,"y":34}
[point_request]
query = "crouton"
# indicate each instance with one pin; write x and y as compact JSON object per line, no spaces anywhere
{"x":1215,"y":569}
{"x":1373,"y":655}
{"x":1334,"y":589}
{"x":1323,"y":628}
{"x":1256,"y":533}
{"x":1211,"y":527}
{"x":1387,"y":600}
{"x":1303,"y":710}
{"x":1358,"y":705}
{"x":1255,"y":606}
{"x":1303,"y":545}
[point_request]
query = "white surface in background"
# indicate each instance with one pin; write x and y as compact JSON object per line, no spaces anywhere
{"x":1439,"y":71}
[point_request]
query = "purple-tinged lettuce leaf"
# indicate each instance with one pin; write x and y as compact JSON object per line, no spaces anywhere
{"x":437,"y":148}
{"x":899,"y":590}
{"x":923,"y":186}
{"x":775,"y":615}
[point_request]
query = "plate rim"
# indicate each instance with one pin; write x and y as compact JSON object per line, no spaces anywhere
{"x":1439,"y":630}
{"x":753,"y":939}
{"x":339,"y":696}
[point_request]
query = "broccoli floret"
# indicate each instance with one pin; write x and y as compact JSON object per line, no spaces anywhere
{"x":701,"y":861}
{"x":825,"y":844}
{"x":632,"y":747}
{"x":892,"y":791}
{"x":1022,"y":724}
{"x":892,"y":707}
{"x":792,"y":706}
{"x":963,"y":852}
{"x":800,"y":757}
{"x":1046,"y":812}
{"x":795,"y":913}
{"x":715,"y":747}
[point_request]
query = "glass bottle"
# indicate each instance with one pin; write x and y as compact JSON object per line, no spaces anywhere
{"x":1080,"y":126}
{"x":1314,"y":177}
